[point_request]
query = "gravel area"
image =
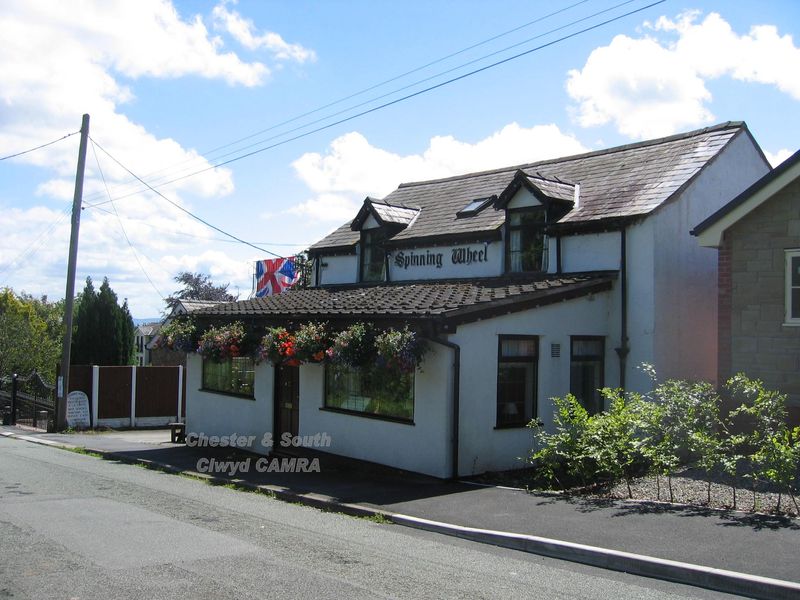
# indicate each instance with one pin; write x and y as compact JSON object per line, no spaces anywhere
{"x":691,"y":487}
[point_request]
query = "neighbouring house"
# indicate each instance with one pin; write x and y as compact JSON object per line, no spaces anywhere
{"x":757,"y":235}
{"x":529,"y":282}
{"x":143,"y":336}
{"x":164,"y":357}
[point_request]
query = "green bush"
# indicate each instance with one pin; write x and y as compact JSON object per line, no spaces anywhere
{"x":678,"y":424}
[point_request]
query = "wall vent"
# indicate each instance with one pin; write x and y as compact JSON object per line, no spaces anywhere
{"x":555,"y":350}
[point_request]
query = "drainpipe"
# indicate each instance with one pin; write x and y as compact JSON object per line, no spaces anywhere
{"x":623,"y":349}
{"x":456,"y":400}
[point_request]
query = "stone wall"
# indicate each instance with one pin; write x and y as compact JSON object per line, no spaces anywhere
{"x":752,"y":295}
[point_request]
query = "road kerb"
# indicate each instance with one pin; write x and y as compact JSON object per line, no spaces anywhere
{"x":722,"y":580}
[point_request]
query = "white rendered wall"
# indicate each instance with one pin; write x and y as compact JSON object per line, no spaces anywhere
{"x":640,"y":250}
{"x":588,"y":252}
{"x":338,"y":269}
{"x":686,"y":273}
{"x":218,"y":414}
{"x":423,"y":447}
{"x":522,"y":199}
{"x":457,"y":261}
{"x":484,"y":448}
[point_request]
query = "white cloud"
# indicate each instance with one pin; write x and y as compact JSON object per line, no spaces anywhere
{"x":58,"y":62}
{"x":327,"y":207}
{"x":652,"y":86}
{"x":353,"y":168}
{"x":778,"y":157}
{"x":244,"y":31}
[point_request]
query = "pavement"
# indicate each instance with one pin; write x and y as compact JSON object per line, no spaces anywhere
{"x":746,"y":554}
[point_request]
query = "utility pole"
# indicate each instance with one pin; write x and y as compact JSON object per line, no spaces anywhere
{"x":69,"y":298}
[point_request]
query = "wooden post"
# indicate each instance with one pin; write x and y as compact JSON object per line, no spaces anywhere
{"x":180,"y":391}
{"x":133,"y":396}
{"x":62,"y":385}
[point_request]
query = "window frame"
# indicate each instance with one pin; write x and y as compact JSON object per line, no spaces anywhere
{"x":543,"y":266}
{"x":229,"y":392}
{"x":788,"y":318}
{"x":601,"y":358}
{"x":518,"y":359}
{"x":362,"y":413}
{"x":379,"y":245}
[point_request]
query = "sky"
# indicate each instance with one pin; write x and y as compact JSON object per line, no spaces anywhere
{"x":248,"y":114}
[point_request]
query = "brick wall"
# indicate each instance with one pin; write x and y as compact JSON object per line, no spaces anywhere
{"x":753,"y":253}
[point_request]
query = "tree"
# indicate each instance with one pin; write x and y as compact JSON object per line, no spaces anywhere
{"x":197,"y":286}
{"x":30,"y":334}
{"x":104,"y":331}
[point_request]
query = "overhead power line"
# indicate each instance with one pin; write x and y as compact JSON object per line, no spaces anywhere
{"x":179,"y":207}
{"x":396,"y":100}
{"x":362,"y":91}
{"x":121,"y":226}
{"x":37,"y":243}
{"x":38,"y":147}
{"x":194,"y":236}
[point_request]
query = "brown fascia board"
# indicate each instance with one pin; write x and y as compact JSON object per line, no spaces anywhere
{"x":452,"y":319}
{"x":593,"y":226}
{"x":332,"y":250}
{"x":363,"y":213}
{"x":745,"y":195}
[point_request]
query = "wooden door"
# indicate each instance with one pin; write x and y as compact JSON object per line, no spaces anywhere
{"x":287,"y":396}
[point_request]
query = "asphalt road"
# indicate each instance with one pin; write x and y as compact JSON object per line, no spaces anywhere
{"x":78,"y":527}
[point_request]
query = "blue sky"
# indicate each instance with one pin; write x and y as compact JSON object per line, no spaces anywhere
{"x":167,"y":83}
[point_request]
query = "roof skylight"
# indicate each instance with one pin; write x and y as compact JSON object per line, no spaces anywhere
{"x":474,"y":207}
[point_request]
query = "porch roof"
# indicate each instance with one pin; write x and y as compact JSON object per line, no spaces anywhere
{"x":449,"y":302}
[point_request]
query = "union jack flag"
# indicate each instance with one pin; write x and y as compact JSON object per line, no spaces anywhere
{"x":275,"y":275}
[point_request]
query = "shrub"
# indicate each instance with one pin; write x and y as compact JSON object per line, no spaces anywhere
{"x":563,"y":457}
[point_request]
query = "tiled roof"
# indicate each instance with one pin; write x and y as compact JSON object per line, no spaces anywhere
{"x":625,"y":181}
{"x":195,"y":305}
{"x":394,"y":214}
{"x":560,"y":190}
{"x":148,"y":329}
{"x":441,"y":299}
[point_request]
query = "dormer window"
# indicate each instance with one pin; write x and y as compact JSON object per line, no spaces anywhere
{"x":373,"y":254}
{"x":378,"y":221}
{"x":526,"y":243}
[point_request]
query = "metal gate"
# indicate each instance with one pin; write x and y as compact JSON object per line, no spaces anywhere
{"x":28,"y":401}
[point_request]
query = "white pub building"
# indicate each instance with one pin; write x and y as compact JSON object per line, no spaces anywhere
{"x":528,"y":282}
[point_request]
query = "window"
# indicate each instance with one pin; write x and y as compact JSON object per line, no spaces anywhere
{"x":232,"y":376}
{"x":526,"y":244}
{"x":793,"y":287}
{"x":474,"y":207}
{"x":586,"y":371}
{"x":517,"y":367}
{"x":375,"y":392}
{"x":373,"y":255}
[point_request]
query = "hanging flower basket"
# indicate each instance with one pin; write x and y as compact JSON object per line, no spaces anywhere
{"x":354,"y":346}
{"x":277,"y":345}
{"x":223,"y":342}
{"x":401,"y":350}
{"x":312,"y":341}
{"x":178,"y":334}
